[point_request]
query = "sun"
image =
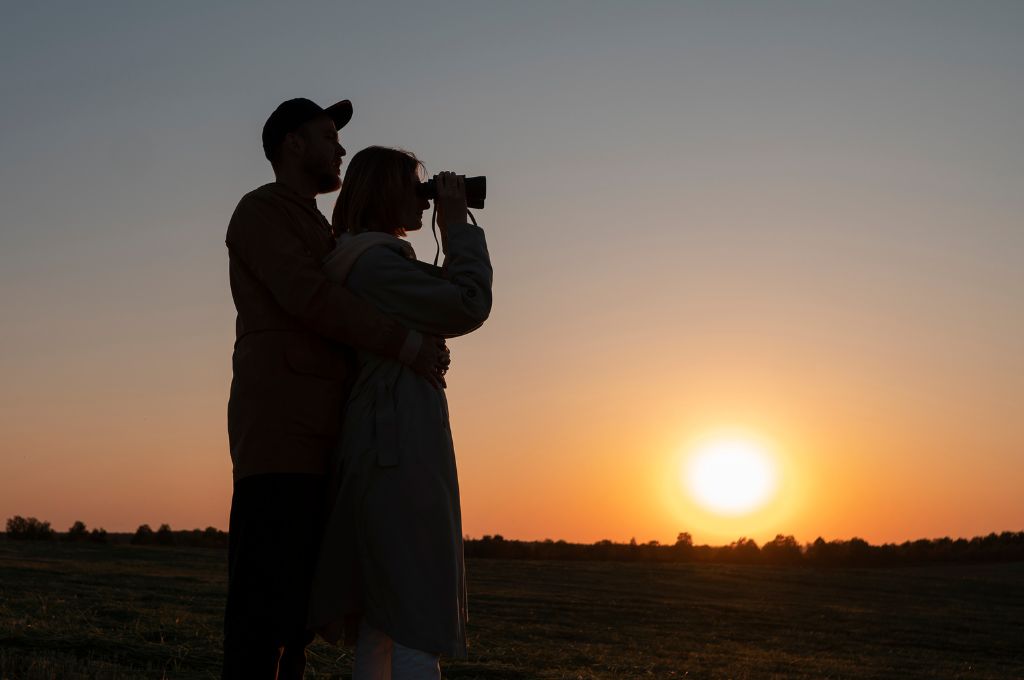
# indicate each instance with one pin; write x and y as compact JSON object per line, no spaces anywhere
{"x":731,"y":476}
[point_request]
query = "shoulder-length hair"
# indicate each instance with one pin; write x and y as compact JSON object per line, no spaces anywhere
{"x":376,"y":184}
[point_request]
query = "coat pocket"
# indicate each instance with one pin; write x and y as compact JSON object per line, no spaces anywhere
{"x":385,"y":425}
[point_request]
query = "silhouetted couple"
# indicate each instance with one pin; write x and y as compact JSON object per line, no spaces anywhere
{"x":345,"y":516}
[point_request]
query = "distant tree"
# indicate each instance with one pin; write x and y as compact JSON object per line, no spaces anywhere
{"x":214,"y":538}
{"x":744,"y":550}
{"x":210,"y":537}
{"x":858,"y":552}
{"x":919,"y":550}
{"x":164,"y":535}
{"x":143,"y":536}
{"x":29,"y":529}
{"x":782,"y":550}
{"x":77,"y":532}
{"x":819,"y":552}
{"x":98,"y":535}
{"x":683,"y":547}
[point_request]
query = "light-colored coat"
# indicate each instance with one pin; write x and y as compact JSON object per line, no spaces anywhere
{"x":392,"y":548}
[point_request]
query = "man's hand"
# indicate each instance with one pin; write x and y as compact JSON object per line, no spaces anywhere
{"x":432,"y":361}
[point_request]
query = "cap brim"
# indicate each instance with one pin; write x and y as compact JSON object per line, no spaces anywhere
{"x":340,"y":113}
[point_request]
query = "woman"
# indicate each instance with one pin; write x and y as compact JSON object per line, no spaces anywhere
{"x":392,"y":549}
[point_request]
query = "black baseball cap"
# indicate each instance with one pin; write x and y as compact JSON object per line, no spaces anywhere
{"x":290,"y":115}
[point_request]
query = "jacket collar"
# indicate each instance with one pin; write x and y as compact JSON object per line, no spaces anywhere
{"x":350,"y":248}
{"x":286,"y":192}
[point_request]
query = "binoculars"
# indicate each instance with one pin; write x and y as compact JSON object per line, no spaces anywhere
{"x":476,"y":191}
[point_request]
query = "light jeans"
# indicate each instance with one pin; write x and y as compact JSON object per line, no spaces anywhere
{"x":378,"y":657}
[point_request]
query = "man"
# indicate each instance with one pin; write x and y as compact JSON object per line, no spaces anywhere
{"x":291,"y":366}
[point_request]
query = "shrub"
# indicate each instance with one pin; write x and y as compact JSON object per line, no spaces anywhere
{"x":29,"y":529}
{"x":143,"y":536}
{"x":164,"y":535}
{"x":77,"y":532}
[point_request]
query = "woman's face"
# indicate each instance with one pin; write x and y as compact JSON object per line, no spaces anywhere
{"x":414,"y":205}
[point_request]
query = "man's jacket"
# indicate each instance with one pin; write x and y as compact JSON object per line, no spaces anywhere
{"x":291,"y":361}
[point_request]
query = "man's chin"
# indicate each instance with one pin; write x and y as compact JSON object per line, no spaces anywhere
{"x":329,"y":183}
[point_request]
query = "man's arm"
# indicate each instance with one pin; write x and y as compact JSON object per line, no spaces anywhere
{"x":259,"y":236}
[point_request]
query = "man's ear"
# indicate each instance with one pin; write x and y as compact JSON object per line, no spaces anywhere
{"x":295,"y":142}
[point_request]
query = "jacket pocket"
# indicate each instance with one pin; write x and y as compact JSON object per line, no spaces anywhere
{"x":307,"y":357}
{"x":312,"y":389}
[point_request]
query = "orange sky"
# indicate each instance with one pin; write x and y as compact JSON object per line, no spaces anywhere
{"x":800,"y":225}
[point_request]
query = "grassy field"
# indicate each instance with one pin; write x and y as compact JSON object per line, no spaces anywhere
{"x":117,"y":611}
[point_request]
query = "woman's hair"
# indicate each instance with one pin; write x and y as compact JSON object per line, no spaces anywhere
{"x":375,"y":188}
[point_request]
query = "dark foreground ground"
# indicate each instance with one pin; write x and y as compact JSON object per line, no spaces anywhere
{"x":118,"y":611}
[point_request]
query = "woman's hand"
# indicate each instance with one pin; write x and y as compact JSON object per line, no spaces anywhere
{"x":450,"y":202}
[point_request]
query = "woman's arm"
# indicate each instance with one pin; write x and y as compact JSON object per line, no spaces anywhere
{"x":454,"y":304}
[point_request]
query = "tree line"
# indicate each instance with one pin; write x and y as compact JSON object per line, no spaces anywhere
{"x":782,"y":550}
{"x":32,"y":529}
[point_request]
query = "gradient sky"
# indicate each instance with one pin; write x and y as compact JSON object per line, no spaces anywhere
{"x":799,"y":220}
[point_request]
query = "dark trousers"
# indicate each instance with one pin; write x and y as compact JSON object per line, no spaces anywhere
{"x":273,"y":540}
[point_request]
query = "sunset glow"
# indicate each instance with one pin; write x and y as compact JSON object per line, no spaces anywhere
{"x":731,"y":476}
{"x":757,"y":265}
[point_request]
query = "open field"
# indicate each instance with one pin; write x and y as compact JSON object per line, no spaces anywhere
{"x":118,"y":611}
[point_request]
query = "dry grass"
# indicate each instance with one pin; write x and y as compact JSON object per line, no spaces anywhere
{"x":118,"y":612}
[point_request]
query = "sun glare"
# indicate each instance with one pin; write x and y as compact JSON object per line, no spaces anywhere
{"x":731,"y":476}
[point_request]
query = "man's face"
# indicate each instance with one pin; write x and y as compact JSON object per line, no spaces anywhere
{"x":322,"y":154}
